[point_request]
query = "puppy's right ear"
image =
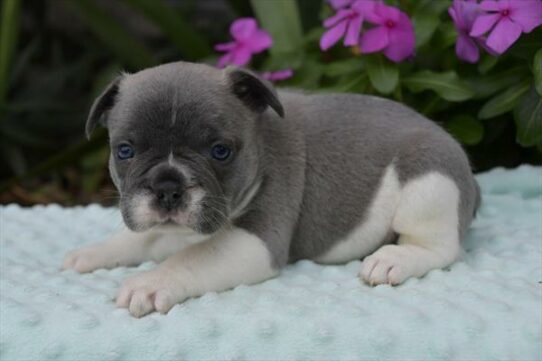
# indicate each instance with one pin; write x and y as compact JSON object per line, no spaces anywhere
{"x":102,"y":105}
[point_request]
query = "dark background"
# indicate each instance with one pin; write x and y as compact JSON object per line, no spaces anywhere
{"x":61,"y":53}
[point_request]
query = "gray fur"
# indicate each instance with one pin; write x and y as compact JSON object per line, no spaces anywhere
{"x":319,"y":167}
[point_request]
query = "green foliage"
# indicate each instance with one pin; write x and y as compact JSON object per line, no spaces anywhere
{"x":50,"y":70}
{"x":447,"y":85}
{"x":127,"y":49}
{"x":282,"y":20}
{"x":382,"y":74}
{"x":9,"y":28}
{"x":528,"y":117}
{"x":181,"y":33}
{"x":537,"y":70}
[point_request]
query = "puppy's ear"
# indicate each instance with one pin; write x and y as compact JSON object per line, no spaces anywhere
{"x":102,"y":104}
{"x":256,"y":93}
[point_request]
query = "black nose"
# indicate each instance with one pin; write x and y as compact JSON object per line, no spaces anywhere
{"x":168,"y":193}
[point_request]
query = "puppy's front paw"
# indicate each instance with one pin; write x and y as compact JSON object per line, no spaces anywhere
{"x":86,"y":259}
{"x":149,"y":291}
{"x":388,"y":265}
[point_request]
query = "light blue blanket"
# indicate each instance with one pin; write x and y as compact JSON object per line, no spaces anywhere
{"x":487,"y":306}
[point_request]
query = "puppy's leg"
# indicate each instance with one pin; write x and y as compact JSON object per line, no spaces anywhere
{"x":231,"y":258}
{"x":125,"y":248}
{"x":426,"y":220}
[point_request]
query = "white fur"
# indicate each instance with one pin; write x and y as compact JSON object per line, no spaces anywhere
{"x":423,"y":212}
{"x":230,"y":258}
{"x":426,"y":219}
{"x":128,"y":248}
{"x":249,"y":194}
{"x":369,"y":235}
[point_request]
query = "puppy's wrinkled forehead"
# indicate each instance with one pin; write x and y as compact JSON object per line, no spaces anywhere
{"x":171,"y":107}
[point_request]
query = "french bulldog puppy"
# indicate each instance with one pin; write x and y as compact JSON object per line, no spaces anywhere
{"x":225,"y":181}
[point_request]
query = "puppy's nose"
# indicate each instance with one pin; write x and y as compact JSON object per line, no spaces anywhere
{"x":168,"y":194}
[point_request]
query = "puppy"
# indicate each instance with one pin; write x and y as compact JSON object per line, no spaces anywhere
{"x":224,"y":182}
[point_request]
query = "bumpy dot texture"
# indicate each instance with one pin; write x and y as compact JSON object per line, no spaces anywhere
{"x":487,"y":306}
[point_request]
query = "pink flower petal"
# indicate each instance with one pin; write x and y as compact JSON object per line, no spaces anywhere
{"x":466,"y":49}
{"x":375,"y":15}
{"x":374,"y":39}
{"x":401,"y":40}
{"x":364,"y":7}
{"x":483,"y":24}
{"x":353,"y":30}
{"x":505,"y":34}
{"x":382,"y":13}
{"x":259,"y":41}
{"x":243,"y":28}
{"x":278,"y":75}
{"x":225,"y":46}
{"x":224,"y":60}
{"x":332,"y":36}
{"x":241,"y":56}
{"x":337,"y":4}
{"x":455,"y":16}
{"x":340,"y":15}
{"x":527,"y":13}
{"x":490,"y":5}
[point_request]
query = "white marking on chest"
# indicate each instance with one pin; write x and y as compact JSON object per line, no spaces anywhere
{"x":367,"y":236}
{"x":247,"y":197}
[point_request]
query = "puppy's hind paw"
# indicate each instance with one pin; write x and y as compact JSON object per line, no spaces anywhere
{"x":388,"y":265}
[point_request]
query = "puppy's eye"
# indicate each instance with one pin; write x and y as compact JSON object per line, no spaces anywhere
{"x":125,"y":151}
{"x":220,"y":152}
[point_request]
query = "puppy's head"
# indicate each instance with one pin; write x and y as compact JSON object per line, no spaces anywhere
{"x":185,"y":143}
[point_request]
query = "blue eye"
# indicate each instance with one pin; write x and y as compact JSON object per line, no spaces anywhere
{"x":125,"y":151}
{"x":220,"y":152}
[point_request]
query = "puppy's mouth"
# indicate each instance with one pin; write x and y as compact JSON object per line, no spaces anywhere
{"x":144,"y":211}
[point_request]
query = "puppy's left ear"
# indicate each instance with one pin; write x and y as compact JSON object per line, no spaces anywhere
{"x":256,"y":93}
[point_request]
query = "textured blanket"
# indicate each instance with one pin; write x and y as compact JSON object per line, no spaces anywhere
{"x":486,"y":306}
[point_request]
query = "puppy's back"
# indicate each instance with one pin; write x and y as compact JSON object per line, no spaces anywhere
{"x":350,"y":141}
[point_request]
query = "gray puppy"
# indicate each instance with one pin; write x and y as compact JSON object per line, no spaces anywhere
{"x":226,"y":182}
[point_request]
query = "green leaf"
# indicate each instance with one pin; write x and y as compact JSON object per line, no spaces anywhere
{"x":309,"y":75}
{"x":426,"y":20}
{"x":128,"y":50}
{"x":445,"y":37}
{"x":486,"y":85}
{"x":447,"y":85}
{"x":348,"y":83}
{"x":527,"y":45}
{"x":487,"y":63}
{"x":282,"y":20}
{"x":528,"y":118}
{"x":504,"y":102}
{"x":9,"y":30}
{"x":342,"y":67}
{"x":537,"y":70}
{"x":466,"y":128}
{"x":191,"y":43}
{"x":384,"y":75}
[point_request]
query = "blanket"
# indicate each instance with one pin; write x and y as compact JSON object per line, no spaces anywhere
{"x":486,"y":306}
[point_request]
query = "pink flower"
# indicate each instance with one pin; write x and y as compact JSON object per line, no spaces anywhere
{"x":337,"y":4}
{"x":394,"y":34}
{"x":347,"y":23}
{"x":506,"y":20}
{"x":463,"y":14}
{"x":248,"y":40}
{"x":277,"y":75}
